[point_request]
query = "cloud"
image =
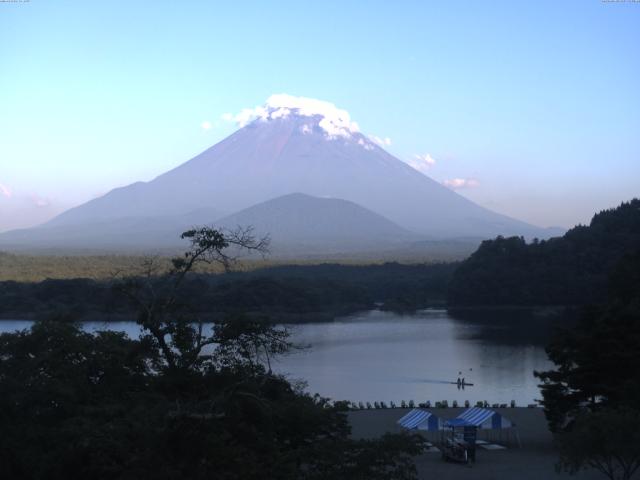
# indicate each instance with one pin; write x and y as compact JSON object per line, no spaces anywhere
{"x":366,"y":144}
{"x":422,"y":163}
{"x":246,"y":116}
{"x":460,"y":183}
{"x":334,"y":121}
{"x":39,"y":201}
{"x":206,"y":125}
{"x":5,"y":191}
{"x":19,"y":209}
{"x":383,"y":142}
{"x":28,"y":199}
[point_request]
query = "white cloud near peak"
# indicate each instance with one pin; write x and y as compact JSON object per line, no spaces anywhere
{"x":383,"y":142}
{"x":366,"y":144}
{"x":421,"y":163}
{"x":335,"y":121}
{"x":206,"y":125}
{"x":460,"y":183}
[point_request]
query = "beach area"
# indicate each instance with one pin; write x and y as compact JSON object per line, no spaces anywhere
{"x":535,"y":459}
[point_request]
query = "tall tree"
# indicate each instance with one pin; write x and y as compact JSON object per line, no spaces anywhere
{"x":169,"y":320}
{"x":598,"y":361}
{"x":592,"y":398}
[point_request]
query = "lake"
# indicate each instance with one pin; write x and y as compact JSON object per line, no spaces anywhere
{"x":383,"y":356}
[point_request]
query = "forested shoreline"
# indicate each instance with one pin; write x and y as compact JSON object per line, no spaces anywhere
{"x":281,"y":294}
{"x":570,"y":270}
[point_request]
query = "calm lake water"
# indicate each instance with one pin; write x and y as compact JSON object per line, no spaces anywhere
{"x":374,"y":356}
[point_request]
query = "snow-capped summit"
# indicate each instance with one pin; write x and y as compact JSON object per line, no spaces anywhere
{"x":334,"y":121}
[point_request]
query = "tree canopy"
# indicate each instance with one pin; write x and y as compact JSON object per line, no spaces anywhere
{"x":598,"y":361}
{"x":592,"y":396}
{"x":180,"y":402}
{"x":607,"y":440}
{"x":287,"y":293}
{"x":568,"y":270}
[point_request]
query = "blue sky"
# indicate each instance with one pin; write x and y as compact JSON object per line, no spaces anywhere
{"x":535,"y":104}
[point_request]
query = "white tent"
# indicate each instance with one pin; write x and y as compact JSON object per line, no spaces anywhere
{"x":419,"y":419}
{"x":490,"y":421}
{"x":482,"y":418}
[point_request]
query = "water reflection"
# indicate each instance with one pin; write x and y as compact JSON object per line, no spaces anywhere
{"x":513,"y":326}
{"x":384,"y":356}
{"x":374,"y":356}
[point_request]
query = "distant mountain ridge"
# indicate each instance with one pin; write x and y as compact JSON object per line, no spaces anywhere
{"x":292,"y":145}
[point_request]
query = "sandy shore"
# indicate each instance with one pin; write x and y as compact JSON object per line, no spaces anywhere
{"x":534,"y":461}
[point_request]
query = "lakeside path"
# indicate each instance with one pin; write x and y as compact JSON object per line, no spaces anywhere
{"x":534,"y":461}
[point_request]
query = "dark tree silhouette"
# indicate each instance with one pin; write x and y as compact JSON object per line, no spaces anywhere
{"x":170,"y":321}
{"x":568,"y":270}
{"x":592,"y":397}
{"x":607,"y":441}
{"x":598,"y":361}
{"x":178,"y":403}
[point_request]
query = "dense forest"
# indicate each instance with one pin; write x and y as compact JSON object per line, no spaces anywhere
{"x":592,"y":395}
{"x":284,"y":293}
{"x":568,"y":270}
{"x":598,"y":360}
{"x":176,"y":403}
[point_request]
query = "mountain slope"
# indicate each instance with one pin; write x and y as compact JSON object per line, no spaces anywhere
{"x":130,"y":233}
{"x":293,"y":148}
{"x":296,"y":223}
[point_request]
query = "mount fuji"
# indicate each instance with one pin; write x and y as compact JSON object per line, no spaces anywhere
{"x":289,"y":145}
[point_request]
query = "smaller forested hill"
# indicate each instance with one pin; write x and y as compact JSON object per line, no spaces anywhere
{"x":568,"y":270}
